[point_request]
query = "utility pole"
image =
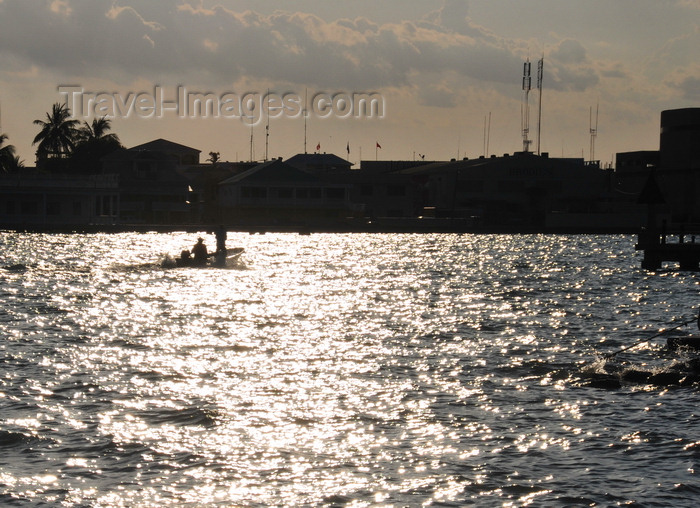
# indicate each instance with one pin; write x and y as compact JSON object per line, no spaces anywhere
{"x":540,"y":74}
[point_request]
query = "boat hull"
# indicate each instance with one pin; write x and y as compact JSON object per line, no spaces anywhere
{"x":688,"y":342}
{"x":215,"y":259}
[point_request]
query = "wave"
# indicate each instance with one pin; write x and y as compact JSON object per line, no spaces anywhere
{"x":11,"y":439}
{"x":187,"y":416}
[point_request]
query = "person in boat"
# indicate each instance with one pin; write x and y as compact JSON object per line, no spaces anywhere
{"x":199,"y":251}
{"x":185,"y":258}
{"x":221,"y":240}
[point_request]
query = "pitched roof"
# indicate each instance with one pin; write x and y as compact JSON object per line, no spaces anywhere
{"x":318,"y":161}
{"x":163,"y":145}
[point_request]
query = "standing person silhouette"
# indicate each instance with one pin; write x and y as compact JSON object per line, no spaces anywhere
{"x":220,"y":239}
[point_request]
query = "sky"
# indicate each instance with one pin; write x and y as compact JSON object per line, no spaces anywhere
{"x":447,"y":74}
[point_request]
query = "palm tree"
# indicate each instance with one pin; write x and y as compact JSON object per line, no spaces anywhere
{"x":16,"y":163}
{"x":93,"y":143}
{"x":7,"y":155}
{"x":58,"y":133}
{"x":97,"y":130}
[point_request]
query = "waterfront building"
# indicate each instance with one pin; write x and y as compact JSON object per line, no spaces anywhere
{"x":676,"y":166}
{"x":151,"y":184}
{"x":522,"y":190}
{"x":276,"y":192}
{"x":36,"y":200}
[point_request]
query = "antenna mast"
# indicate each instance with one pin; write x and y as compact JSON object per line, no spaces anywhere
{"x":540,"y":74}
{"x":305,"y":114}
{"x":267,"y":127}
{"x":525,"y":111}
{"x":593,"y":129}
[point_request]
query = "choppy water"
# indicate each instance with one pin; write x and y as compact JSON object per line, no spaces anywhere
{"x":341,"y":370}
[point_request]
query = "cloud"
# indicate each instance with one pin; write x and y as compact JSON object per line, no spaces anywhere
{"x":686,"y":81}
{"x":689,"y":4}
{"x":454,"y":15}
{"x":126,"y":42}
{"x":569,"y":52}
{"x":568,"y":67}
{"x":438,"y":95}
{"x":61,"y":7}
{"x":613,"y":70}
{"x":677,"y":51}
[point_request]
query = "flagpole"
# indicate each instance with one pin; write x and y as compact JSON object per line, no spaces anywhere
{"x":305,"y":114}
{"x":267,"y":127}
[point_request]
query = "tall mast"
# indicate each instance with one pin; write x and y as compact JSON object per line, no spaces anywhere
{"x":593,"y":129}
{"x":305,"y":113}
{"x":267,"y":127}
{"x":540,"y":75}
{"x":525,"y":107}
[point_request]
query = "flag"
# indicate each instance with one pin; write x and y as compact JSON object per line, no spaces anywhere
{"x":348,"y":147}
{"x":318,"y":147}
{"x":378,"y":145}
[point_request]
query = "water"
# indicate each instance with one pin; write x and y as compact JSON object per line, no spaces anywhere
{"x":341,"y":370}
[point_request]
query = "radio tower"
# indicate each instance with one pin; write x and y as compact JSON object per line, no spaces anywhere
{"x":593,"y":129}
{"x":525,"y":112}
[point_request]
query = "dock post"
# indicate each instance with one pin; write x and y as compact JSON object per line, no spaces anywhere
{"x":651,"y":260}
{"x":650,"y":238}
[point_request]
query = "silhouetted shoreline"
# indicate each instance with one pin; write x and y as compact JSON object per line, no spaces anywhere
{"x":407,"y":226}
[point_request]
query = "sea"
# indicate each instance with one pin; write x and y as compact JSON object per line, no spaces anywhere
{"x":345,"y":370}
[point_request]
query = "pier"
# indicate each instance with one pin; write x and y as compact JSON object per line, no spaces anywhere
{"x":676,"y":244}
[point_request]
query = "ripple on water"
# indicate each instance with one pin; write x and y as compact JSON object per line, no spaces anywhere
{"x":342,"y":370}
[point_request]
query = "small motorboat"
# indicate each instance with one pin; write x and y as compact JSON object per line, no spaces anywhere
{"x":684,"y":342}
{"x":215,"y":259}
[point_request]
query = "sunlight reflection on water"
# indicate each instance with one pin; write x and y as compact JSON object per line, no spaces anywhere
{"x":337,"y":370}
